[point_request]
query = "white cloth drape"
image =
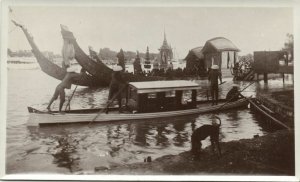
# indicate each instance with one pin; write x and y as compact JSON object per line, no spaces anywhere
{"x":68,"y":53}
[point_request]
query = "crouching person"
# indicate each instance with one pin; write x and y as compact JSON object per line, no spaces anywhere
{"x":233,"y":94}
{"x":202,"y":133}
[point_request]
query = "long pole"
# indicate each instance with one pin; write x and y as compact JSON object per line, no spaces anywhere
{"x":234,"y":96}
{"x":69,"y":101}
{"x":207,"y":91}
{"x":108,"y":104}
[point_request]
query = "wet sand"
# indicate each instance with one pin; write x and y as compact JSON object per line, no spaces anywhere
{"x":272,"y":154}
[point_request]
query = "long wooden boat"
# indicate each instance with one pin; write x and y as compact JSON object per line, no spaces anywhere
{"x":145,"y":100}
{"x":54,"y":70}
{"x":259,"y":107}
{"x":96,"y":67}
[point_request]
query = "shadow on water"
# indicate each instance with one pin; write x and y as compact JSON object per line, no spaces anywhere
{"x":66,"y":149}
{"x":132,"y":141}
{"x":264,"y":122}
{"x":62,"y":146}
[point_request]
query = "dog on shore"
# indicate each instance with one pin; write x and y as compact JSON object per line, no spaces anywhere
{"x":203,"y":132}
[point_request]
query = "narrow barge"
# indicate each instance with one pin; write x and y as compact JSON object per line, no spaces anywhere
{"x":145,"y":100}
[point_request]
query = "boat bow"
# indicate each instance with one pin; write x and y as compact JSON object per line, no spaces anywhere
{"x":51,"y":68}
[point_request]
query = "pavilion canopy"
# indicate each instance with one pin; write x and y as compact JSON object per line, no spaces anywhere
{"x":219,"y":44}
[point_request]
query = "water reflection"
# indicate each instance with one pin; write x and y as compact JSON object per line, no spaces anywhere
{"x":180,"y":135}
{"x":161,"y":138}
{"x":81,"y":148}
{"x":61,"y":145}
{"x":131,"y":141}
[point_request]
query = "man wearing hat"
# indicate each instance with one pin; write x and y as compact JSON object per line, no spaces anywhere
{"x":233,"y":94}
{"x":213,"y":76}
{"x":116,"y":84}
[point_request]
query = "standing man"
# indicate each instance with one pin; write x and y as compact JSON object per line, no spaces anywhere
{"x":68,"y":54}
{"x":59,"y":91}
{"x":213,"y":76}
{"x":117,"y":83}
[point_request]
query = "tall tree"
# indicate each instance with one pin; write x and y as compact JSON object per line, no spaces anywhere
{"x":137,"y":64}
{"x":9,"y":52}
{"x":121,"y":59}
{"x":289,"y":45}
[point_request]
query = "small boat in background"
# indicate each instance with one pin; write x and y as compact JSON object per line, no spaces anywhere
{"x":273,"y":117}
{"x":144,"y":100}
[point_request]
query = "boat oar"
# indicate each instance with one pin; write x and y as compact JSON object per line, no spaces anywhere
{"x":207,"y":91}
{"x":108,"y":103}
{"x":222,"y":82}
{"x":239,"y":92}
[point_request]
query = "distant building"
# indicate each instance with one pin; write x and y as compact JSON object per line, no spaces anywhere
{"x":195,"y":59}
{"x":165,"y":54}
{"x":219,"y":51}
{"x":155,"y":64}
{"x":147,"y":64}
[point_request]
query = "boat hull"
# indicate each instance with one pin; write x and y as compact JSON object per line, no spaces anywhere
{"x":268,"y":114}
{"x":39,"y":118}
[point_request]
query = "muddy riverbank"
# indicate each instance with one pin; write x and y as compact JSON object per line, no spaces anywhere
{"x":272,"y":154}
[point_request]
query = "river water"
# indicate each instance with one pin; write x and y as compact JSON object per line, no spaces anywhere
{"x":78,"y":148}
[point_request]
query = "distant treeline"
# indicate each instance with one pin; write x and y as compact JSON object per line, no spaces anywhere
{"x":28,"y":53}
{"x":104,"y":54}
{"x":107,"y":54}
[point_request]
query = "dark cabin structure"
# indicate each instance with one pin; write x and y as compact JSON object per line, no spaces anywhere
{"x":269,"y":61}
{"x":266,"y":62}
{"x":195,"y":60}
{"x":158,"y":96}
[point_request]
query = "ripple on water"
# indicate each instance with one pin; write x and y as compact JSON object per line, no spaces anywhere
{"x":79,"y":149}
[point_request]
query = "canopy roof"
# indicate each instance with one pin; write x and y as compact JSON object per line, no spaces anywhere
{"x":219,"y":44}
{"x":197,"y":51}
{"x":163,"y":86}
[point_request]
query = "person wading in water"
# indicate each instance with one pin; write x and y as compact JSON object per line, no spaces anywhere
{"x":117,"y":83}
{"x":213,"y":76}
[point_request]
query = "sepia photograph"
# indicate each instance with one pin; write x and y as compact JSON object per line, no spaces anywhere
{"x":143,"y":89}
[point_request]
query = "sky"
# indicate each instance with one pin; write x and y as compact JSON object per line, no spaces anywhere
{"x":135,"y":28}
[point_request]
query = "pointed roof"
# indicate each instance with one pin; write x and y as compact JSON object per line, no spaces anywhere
{"x":165,"y":44}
